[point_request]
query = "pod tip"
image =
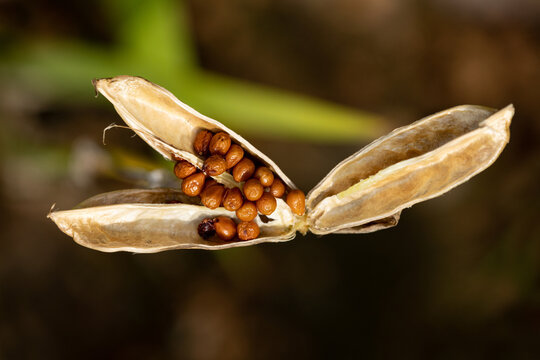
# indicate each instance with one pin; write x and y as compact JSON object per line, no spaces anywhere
{"x":94,"y":84}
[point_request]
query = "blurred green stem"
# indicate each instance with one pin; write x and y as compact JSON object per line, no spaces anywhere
{"x":153,"y":41}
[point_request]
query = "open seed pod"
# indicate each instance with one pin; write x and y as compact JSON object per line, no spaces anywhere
{"x":365,"y":192}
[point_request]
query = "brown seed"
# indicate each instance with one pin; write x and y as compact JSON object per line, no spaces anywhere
{"x":247,"y":212}
{"x":209,"y":182}
{"x":225,"y":228}
{"x":266,"y":204}
{"x":296,"y":201}
{"x":215,"y":165}
{"x":212,"y":196}
{"x":206,"y":228}
{"x":193,"y":184}
{"x":183,"y":169}
{"x":243,"y":170}
{"x":265,"y":175}
{"x":233,"y":199}
{"x":277,"y":189}
{"x":253,"y":189}
{"x":220,"y":143}
{"x":234,"y":155}
{"x":202,"y":142}
{"x":248,"y":230}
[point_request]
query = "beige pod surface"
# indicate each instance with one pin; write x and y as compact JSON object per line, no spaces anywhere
{"x":167,"y":124}
{"x":365,"y":192}
{"x":138,"y":221}
{"x":411,"y":164}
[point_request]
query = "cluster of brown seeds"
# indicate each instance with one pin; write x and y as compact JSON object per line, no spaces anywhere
{"x":226,"y":229}
{"x":258,"y":195}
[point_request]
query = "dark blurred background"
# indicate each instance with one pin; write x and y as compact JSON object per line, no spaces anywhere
{"x":458,"y":278}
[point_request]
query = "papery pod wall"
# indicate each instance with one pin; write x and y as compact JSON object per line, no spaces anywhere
{"x":366,"y":192}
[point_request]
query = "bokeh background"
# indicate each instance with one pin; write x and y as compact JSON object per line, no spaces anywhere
{"x":308,"y":82}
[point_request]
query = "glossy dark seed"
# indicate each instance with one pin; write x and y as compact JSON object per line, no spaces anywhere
{"x":253,"y":190}
{"x":215,"y":165}
{"x":266,"y":204}
{"x":233,"y":199}
{"x":248,"y":230}
{"x":220,"y":143}
{"x":243,"y":170}
{"x":277,"y":189}
{"x":193,"y":184}
{"x":264,"y":175}
{"x":202,"y":142}
{"x":234,"y":155}
{"x":206,"y":228}
{"x":225,"y":228}
{"x":183,"y":169}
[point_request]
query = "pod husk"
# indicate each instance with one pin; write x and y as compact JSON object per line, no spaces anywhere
{"x":364,"y":193}
{"x":167,"y":124}
{"x":412,"y":164}
{"x":117,"y":221}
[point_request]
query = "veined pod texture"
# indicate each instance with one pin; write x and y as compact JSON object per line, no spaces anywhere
{"x":364,"y":193}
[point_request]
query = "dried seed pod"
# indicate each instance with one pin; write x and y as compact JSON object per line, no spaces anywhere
{"x":264,"y":175}
{"x":234,"y":155}
{"x":220,"y":143}
{"x":247,"y":230}
{"x":429,"y":157}
{"x":202,"y":142}
{"x":266,"y":204}
{"x":297,"y":201}
{"x":225,"y":228}
{"x":253,"y":189}
{"x":193,"y":184}
{"x":243,"y":170}
{"x":215,"y":165}
{"x":247,"y":212}
{"x":233,"y":199}
{"x":365,"y":192}
{"x":109,"y":222}
{"x":168,"y":125}
{"x":183,"y":169}
{"x":212,"y":196}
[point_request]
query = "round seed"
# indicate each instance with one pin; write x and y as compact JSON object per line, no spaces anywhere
{"x":248,"y":230}
{"x":220,"y":143}
{"x":202,"y":142}
{"x":183,"y":169}
{"x":225,"y":228}
{"x":277,"y":189}
{"x":209,"y":182}
{"x":234,"y":155}
{"x":215,"y":165}
{"x":297,"y":201}
{"x":266,"y":204}
{"x":206,"y":228}
{"x":253,"y":189}
{"x":247,"y":212}
{"x":233,"y":199}
{"x":193,"y":184}
{"x":243,"y":170}
{"x":265,"y":175}
{"x":212,"y":196}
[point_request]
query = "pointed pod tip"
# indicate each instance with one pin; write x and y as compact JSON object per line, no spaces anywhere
{"x":510,"y":109}
{"x":500,"y":121}
{"x":50,"y":215}
{"x":115,"y":83}
{"x":94,"y":84}
{"x":98,"y":84}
